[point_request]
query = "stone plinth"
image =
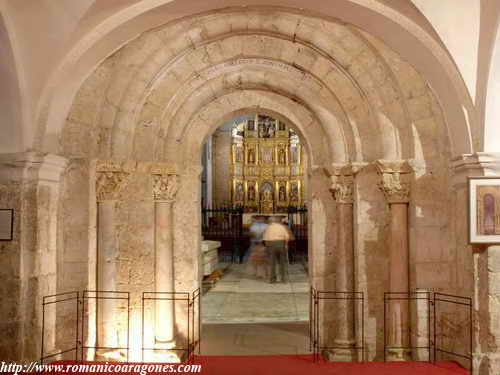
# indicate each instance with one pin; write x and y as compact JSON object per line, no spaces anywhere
{"x":210,"y":256}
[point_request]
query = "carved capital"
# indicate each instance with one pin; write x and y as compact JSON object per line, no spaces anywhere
{"x":110,"y":181}
{"x":165,"y":187}
{"x":342,"y":187}
{"x":343,"y":192}
{"x":163,"y":168}
{"x":394,"y":180}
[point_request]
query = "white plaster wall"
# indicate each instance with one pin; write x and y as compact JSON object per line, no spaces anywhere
{"x":492,"y":121}
{"x":10,"y":107}
{"x":457,"y":22}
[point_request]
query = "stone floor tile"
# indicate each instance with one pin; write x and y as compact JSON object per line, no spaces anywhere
{"x":239,"y":297}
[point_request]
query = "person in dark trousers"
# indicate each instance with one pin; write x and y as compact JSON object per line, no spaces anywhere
{"x":276,"y":238}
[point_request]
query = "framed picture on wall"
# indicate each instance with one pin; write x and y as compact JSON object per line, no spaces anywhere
{"x":6,"y":224}
{"x":484,"y":210}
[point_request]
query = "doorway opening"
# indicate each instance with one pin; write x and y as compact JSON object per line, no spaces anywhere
{"x":254,"y":172}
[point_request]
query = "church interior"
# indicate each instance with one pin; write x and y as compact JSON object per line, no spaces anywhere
{"x":148,"y":148}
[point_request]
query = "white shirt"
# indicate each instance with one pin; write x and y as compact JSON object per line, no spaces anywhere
{"x":277,"y":232}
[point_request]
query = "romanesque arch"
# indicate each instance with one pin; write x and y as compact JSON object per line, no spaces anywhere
{"x":352,"y":99}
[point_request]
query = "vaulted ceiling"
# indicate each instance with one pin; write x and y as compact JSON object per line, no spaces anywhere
{"x":48,"y":50}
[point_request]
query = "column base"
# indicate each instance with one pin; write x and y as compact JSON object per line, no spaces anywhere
{"x":113,"y":355}
{"x":164,"y":356}
{"x":485,"y":363}
{"x":164,"y":352}
{"x":341,"y":355}
{"x":346,"y":354}
{"x":164,"y":344}
{"x":398,"y":355}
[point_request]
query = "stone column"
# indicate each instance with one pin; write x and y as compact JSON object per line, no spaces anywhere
{"x":342,"y":191}
{"x":395,"y":186}
{"x":110,"y":180}
{"x":165,"y":188}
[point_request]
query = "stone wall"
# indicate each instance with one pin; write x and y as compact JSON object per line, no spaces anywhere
{"x":30,"y":185}
{"x":134,"y":230}
{"x":134,"y":225}
{"x":74,"y":255}
{"x":12,"y":287}
{"x":222,"y":165}
{"x":348,"y":95}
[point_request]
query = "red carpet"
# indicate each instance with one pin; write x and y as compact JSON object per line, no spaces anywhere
{"x":304,"y":365}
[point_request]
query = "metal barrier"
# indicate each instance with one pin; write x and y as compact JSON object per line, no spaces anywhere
{"x":455,"y":301}
{"x":193,"y":338}
{"x":100,"y":295}
{"x":224,"y":223}
{"x":192,"y":301}
{"x":54,"y":300}
{"x":358,"y":304}
{"x":411,"y":296}
{"x":298,"y":223}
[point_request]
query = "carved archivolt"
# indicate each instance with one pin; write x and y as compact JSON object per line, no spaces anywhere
{"x":395,"y":181}
{"x":165,"y":187}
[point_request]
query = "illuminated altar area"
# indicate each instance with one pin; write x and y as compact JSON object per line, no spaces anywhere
{"x":267,"y":166}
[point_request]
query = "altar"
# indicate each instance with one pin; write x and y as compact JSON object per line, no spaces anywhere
{"x":267,"y":169}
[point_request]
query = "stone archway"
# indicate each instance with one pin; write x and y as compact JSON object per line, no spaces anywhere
{"x":351,"y":98}
{"x":252,"y":307}
{"x":318,"y":199}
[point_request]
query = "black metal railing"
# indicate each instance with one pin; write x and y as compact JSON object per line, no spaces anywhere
{"x":56,"y":300}
{"x":438,"y":320}
{"x":407,"y":298}
{"x":104,"y":296}
{"x":81,"y":301}
{"x":224,"y":223}
{"x":317,"y":307}
{"x":454,"y":302}
{"x":192,"y":339}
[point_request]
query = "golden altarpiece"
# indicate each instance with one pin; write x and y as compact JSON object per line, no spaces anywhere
{"x":267,"y":166}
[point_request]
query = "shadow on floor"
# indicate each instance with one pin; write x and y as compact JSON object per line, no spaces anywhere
{"x":255,"y":339}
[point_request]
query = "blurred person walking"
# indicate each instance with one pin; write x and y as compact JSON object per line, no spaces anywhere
{"x":276,"y":238}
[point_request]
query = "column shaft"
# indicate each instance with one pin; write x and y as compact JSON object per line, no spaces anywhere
{"x":343,"y":193}
{"x":344,"y":275}
{"x":164,"y":275}
{"x":399,"y":277}
{"x":107,"y":253}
